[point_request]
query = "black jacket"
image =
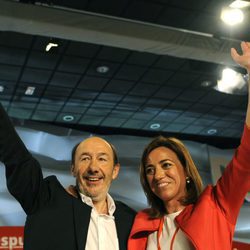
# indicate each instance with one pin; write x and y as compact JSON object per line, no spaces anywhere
{"x":55,"y":219}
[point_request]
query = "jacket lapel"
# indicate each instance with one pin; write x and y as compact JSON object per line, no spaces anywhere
{"x":123,"y":220}
{"x":121,"y":231}
{"x":82,"y":214}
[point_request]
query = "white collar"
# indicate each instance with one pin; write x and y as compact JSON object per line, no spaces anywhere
{"x":111,"y":204}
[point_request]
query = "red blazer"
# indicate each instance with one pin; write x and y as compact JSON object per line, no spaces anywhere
{"x":209,"y":224}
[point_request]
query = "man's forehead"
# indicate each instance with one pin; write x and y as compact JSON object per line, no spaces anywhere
{"x":95,"y":144}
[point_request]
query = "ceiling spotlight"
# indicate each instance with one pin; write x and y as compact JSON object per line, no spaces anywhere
{"x":102,"y":69}
{"x":51,"y":45}
{"x":239,"y":4}
{"x":232,"y":16}
{"x":155,"y":125}
{"x":232,"y":82}
{"x":30,"y":90}
{"x":68,"y":118}
{"x":206,"y":83}
{"x":212,"y":131}
{"x":1,"y":88}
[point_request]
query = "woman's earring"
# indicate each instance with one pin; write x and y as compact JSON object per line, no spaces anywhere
{"x":188,"y":180}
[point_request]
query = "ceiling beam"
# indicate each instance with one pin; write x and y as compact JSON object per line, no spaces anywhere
{"x":52,"y":21}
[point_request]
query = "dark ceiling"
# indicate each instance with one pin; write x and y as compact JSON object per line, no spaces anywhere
{"x":140,"y":89}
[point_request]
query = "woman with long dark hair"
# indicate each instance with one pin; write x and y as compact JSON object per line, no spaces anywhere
{"x":183,"y":216}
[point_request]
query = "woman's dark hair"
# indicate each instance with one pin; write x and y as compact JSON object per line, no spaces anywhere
{"x":194,"y":187}
{"x":115,"y":156}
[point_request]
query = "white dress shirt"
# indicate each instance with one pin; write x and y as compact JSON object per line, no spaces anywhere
{"x":180,"y":242}
{"x":102,"y":233}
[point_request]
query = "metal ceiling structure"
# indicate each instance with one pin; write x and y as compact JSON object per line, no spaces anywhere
{"x":158,"y":66}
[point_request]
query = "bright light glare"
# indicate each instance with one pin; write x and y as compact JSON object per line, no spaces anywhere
{"x":229,"y":75}
{"x":232,"y":16}
{"x":239,"y":4}
{"x":30,"y":90}
{"x":50,"y":45}
{"x":230,"y":79}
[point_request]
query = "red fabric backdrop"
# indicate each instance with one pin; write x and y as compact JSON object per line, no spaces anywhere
{"x":11,"y":238}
